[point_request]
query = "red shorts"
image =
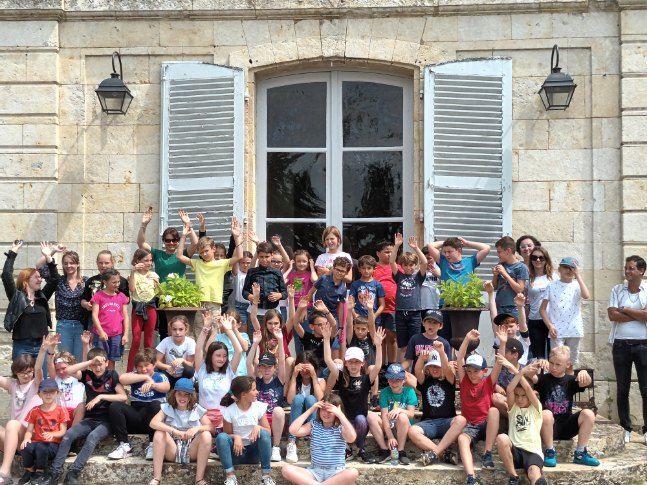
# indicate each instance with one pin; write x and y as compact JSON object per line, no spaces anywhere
{"x":269,"y":418}
{"x":215,"y":416}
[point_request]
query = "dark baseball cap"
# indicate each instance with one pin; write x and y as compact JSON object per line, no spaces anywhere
{"x":267,"y":359}
{"x":513,"y":345}
{"x":436,"y":315}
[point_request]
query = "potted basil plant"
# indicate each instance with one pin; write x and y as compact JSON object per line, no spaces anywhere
{"x":179,"y":296}
{"x":463,"y":303}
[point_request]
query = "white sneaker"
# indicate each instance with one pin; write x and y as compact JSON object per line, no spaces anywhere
{"x":267,"y":480}
{"x":627,"y":436}
{"x":122,"y":451}
{"x":291,"y":452}
{"x":149,"y":452}
{"x":276,"y":454}
{"x":231,"y":480}
{"x":645,"y":438}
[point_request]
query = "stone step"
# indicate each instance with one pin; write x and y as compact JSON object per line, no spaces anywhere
{"x":628,"y":468}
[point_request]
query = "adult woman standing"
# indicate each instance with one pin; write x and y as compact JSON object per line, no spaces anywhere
{"x":541,"y":275}
{"x":28,"y":316}
{"x":525,"y":245}
{"x":628,"y":312}
{"x":69,"y":312}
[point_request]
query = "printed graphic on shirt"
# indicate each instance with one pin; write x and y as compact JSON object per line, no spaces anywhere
{"x":269,"y":396}
{"x":19,"y":398}
{"x":407,"y":287}
{"x":522,"y":423}
{"x":557,"y":401}
{"x":357,"y":384}
{"x":435,"y":396}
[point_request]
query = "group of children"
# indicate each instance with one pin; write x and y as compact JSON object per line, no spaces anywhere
{"x":220,"y":388}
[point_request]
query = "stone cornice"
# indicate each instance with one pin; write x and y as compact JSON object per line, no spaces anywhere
{"x":253,"y":9}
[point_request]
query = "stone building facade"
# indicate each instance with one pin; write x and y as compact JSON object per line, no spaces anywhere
{"x":72,"y":174}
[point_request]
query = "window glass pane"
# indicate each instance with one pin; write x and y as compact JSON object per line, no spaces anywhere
{"x":298,"y":236}
{"x":361,"y":238}
{"x":296,"y":184}
{"x":372,"y":114}
{"x":296,"y":115}
{"x":372,"y":184}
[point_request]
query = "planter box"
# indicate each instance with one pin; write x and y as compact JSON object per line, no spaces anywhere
{"x":463,"y":320}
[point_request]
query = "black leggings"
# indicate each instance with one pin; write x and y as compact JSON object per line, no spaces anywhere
{"x":539,"y":342}
{"x":133,"y":418}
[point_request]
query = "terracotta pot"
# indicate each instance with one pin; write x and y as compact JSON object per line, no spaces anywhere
{"x":463,"y":320}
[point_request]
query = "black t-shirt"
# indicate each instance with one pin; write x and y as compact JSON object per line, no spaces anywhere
{"x":32,"y":323}
{"x":313,"y":344}
{"x":92,"y":285}
{"x":556,"y":393}
{"x":105,"y":384}
{"x":367,"y":347}
{"x":354,"y":397}
{"x":438,"y":398}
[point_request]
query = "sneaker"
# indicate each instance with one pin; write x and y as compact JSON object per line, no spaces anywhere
{"x":276,"y":454}
{"x":486,"y":461}
{"x":26,"y":477}
{"x":149,"y":452}
{"x":122,"y":451}
{"x":627,"y":436}
{"x":550,"y":457}
{"x":49,"y":478}
{"x":213,"y":454}
{"x":513,"y":481}
{"x":365,"y":457}
{"x":36,"y":476}
{"x":383,"y":456}
{"x":72,"y":478}
{"x":541,"y":481}
{"x":583,"y":458}
{"x":403,"y":458}
{"x":645,"y":438}
{"x":450,"y":458}
{"x":291,"y":455}
{"x":428,"y":458}
{"x":473,"y":480}
{"x":267,"y":480}
{"x":231,"y":480}
{"x":349,"y":454}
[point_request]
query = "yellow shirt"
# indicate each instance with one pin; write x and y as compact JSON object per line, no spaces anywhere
{"x":144,"y":286}
{"x":524,"y":428}
{"x":210,"y":277}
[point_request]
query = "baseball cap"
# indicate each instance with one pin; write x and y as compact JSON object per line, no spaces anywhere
{"x":476,"y":361}
{"x":48,"y":385}
{"x":501,"y":317}
{"x":433,"y":315}
{"x":267,"y":359}
{"x":434,"y":359}
{"x":354,"y":353}
{"x":569,"y":261}
{"x":185,"y":385}
{"x":394,"y":371}
{"x":513,"y":345}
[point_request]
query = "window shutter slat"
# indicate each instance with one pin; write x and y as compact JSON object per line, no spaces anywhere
{"x":468,"y":110}
{"x":202,"y":144}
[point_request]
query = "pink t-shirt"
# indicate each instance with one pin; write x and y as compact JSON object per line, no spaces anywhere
{"x":23,"y":399}
{"x":110,"y":315}
{"x":302,"y":281}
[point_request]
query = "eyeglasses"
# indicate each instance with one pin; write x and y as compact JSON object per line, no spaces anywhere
{"x":25,"y":372}
{"x":537,"y":258}
{"x":274,"y":261}
{"x":169,"y":241}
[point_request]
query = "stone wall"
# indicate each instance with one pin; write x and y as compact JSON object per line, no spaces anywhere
{"x":70,"y":173}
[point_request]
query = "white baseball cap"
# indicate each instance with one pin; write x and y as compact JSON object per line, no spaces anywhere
{"x":476,"y":361}
{"x":354,"y":353}
{"x":434,"y":359}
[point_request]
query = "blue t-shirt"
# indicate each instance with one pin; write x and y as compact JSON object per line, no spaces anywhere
{"x":331,"y":294}
{"x":504,"y":294}
{"x":242,"y":365}
{"x":136,"y":394}
{"x":457,"y":271}
{"x":270,"y":393}
{"x":373,"y":287}
{"x":419,"y":343}
{"x":407,"y":296}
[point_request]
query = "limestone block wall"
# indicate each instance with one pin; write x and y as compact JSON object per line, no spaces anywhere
{"x":72,"y":174}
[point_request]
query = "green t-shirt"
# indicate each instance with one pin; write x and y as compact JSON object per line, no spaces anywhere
{"x":165,"y":263}
{"x":389,"y":400}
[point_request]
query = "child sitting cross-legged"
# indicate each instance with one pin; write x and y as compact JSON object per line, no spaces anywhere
{"x":329,"y":432}
{"x":521,"y":447}
{"x":556,"y":390}
{"x":436,"y":383}
{"x":476,"y":404}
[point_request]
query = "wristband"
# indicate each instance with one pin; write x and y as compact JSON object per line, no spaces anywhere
{"x":50,"y":353}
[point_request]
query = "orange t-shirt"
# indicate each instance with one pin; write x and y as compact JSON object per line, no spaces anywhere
{"x":45,"y":422}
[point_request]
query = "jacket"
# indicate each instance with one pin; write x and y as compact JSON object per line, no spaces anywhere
{"x":18,"y":299}
{"x":270,"y":280}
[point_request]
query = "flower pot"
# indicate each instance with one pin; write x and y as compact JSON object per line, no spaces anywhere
{"x":188,"y":311}
{"x":463,"y":320}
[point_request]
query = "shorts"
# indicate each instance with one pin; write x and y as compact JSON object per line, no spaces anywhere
{"x":387,"y":321}
{"x":524,"y":459}
{"x":435,"y":428}
{"x":215,"y":416}
{"x":323,"y":474}
{"x":112,"y":346}
{"x":566,"y":427}
{"x":476,"y":431}
{"x":407,"y":324}
{"x":269,"y":418}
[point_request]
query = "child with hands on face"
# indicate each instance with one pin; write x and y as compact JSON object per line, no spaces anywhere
{"x":312,"y":341}
{"x":330,"y":433}
{"x":176,"y":353}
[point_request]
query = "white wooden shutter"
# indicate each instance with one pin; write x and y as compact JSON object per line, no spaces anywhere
{"x":202,"y":145}
{"x":468,"y":159}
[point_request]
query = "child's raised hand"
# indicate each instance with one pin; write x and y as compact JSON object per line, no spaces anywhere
{"x":369,"y":301}
{"x":235,"y":228}
{"x":276,"y":240}
{"x":380,"y":335}
{"x":311,"y":262}
{"x":520,"y":299}
{"x":186,"y":229}
{"x":200,"y":217}
{"x":291,"y":291}
{"x":473,"y":335}
{"x":320,"y":306}
{"x":398,"y":239}
{"x":86,"y":337}
{"x":502,"y":334}
{"x":46,"y":249}
{"x":147,"y":216}
{"x":583,"y":378}
{"x":278,"y":333}
{"x":303,"y":303}
{"x":542,"y":364}
{"x":227,"y":323}
{"x":251,"y":235}
{"x":257,"y":337}
{"x":184,"y":217}
{"x":17,"y":244}
{"x":532,"y":369}
{"x":318,"y":405}
{"x":326,"y":331}
{"x":438,"y":346}
{"x":413,"y":242}
{"x":350,"y":301}
{"x":488,"y":287}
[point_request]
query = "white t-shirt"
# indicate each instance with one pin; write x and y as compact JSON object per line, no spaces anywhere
{"x":326,"y":260}
{"x":306,"y":390}
{"x":244,"y":421}
{"x":173,"y":351}
{"x":564,"y":308}
{"x":238,"y":287}
{"x":182,"y":420}
{"x":72,"y":392}
{"x":536,"y":293}
{"x":620,"y":297}
{"x":429,"y":294}
{"x":213,"y":387}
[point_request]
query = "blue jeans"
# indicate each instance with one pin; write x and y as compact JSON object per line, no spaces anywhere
{"x":300,"y":404}
{"x":93,"y":430}
{"x":70,"y":331}
{"x":29,"y":346}
{"x":259,"y":449}
{"x":241,"y":308}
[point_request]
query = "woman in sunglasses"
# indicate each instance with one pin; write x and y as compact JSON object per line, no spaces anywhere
{"x":541,"y":275}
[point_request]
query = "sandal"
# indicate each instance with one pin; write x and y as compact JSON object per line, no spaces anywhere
{"x":154,"y":481}
{"x":201,"y":482}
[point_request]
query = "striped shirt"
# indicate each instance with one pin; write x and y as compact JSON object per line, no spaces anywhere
{"x":327,"y":446}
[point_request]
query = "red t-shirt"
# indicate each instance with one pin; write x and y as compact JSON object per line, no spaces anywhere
{"x":47,"y":422}
{"x":383,"y":274}
{"x":476,"y":399}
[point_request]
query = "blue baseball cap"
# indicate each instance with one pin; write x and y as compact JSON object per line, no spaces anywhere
{"x":394,"y":371}
{"x":184,"y":385}
{"x":569,"y":262}
{"x":47,"y":385}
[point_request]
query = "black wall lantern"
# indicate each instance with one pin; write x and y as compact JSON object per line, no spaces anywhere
{"x":558,"y":88}
{"x":113,"y":94}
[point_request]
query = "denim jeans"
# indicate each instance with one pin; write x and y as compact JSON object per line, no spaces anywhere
{"x":241,"y":308}
{"x":300,"y":404}
{"x":29,"y":346}
{"x":259,"y":450}
{"x":93,"y":430}
{"x":70,"y":331}
{"x":625,"y":354}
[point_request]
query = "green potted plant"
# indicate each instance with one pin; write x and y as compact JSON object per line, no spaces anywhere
{"x":179,"y":296}
{"x":463,"y":303}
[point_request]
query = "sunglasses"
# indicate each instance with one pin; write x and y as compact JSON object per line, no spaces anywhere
{"x":537,"y":258}
{"x":169,"y":241}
